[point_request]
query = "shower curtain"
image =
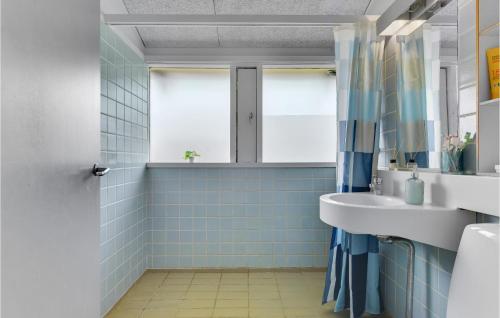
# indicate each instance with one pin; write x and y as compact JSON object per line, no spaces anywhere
{"x":352,"y":279}
{"x":417,"y":66}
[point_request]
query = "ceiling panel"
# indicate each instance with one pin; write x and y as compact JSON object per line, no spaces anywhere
{"x":276,"y":37}
{"x":291,"y":7}
{"x":286,"y":7}
{"x":179,"y":36}
{"x":170,"y":6}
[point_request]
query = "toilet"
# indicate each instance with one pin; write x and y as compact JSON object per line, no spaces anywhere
{"x":475,"y":280}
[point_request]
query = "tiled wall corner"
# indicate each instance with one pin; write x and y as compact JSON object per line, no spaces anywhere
{"x":256,"y":217}
{"x":124,"y":148}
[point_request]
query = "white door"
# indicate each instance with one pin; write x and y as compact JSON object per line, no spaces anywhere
{"x":49,"y":141}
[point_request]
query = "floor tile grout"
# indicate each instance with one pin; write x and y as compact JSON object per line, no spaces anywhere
{"x":202,"y":301}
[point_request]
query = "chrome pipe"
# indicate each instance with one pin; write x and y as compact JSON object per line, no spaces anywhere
{"x":410,"y":268}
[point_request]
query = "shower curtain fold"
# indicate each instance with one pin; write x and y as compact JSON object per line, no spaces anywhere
{"x":352,"y":279}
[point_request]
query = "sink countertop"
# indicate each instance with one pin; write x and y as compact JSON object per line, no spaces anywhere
{"x":366,"y":213}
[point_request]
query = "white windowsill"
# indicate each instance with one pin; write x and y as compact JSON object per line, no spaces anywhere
{"x":241,"y":165}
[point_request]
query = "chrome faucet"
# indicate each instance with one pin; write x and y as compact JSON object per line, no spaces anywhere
{"x":376,"y":185}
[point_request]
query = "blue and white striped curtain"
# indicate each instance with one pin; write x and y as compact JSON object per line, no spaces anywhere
{"x":352,"y":279}
{"x":418,"y":63}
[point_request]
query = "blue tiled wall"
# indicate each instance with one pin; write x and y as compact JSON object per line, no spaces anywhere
{"x":433,"y":269}
{"x":124,"y":148}
{"x":233,"y":217}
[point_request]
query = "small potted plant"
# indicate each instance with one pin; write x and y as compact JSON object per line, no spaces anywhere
{"x":190,"y":155}
{"x":452,"y":151}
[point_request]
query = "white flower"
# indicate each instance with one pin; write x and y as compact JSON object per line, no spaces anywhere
{"x":455,"y":141}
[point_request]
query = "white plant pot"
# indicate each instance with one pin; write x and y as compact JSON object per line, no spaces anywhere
{"x":191,"y":160}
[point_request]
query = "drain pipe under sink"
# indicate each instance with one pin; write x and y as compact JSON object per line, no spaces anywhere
{"x":409,"y":268}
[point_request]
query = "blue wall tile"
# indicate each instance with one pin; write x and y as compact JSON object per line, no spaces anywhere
{"x":433,"y":269}
{"x":431,"y":279}
{"x":258,"y":217}
{"x":123,"y":190}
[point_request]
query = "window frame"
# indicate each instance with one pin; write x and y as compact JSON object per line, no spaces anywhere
{"x":233,"y":69}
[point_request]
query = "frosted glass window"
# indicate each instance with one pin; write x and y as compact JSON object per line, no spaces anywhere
{"x":299,"y":115}
{"x":190,"y":110}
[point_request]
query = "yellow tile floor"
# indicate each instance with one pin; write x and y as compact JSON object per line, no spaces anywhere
{"x":225,"y":294}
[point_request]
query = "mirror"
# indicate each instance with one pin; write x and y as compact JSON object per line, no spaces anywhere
{"x":450,"y":128}
{"x":422,"y":120}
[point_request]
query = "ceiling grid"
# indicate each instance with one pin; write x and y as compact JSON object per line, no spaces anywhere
{"x":136,"y":29}
{"x":244,"y":37}
{"x":191,"y":37}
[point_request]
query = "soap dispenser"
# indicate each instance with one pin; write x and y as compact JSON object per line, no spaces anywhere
{"x":414,"y":189}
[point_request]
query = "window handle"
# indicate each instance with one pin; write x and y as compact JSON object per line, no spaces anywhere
{"x":250,"y":116}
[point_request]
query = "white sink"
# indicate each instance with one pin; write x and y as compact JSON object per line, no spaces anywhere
{"x":366,"y":213}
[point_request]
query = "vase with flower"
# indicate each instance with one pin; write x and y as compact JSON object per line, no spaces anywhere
{"x":452,"y":153}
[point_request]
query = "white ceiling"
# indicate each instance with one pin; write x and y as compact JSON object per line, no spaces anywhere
{"x":236,"y":37}
{"x":179,"y":36}
{"x":284,"y":7}
{"x":241,"y":37}
{"x":256,"y":36}
{"x":279,"y":37}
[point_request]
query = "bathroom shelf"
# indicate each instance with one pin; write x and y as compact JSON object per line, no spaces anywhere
{"x":242,"y":165}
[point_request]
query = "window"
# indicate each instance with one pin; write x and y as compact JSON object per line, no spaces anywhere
{"x":243,"y":114}
{"x":299,"y":115}
{"x":190,"y":110}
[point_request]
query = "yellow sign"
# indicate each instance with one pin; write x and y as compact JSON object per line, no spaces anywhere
{"x":493,"y":56}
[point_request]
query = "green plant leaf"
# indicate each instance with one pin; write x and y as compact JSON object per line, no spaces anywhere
{"x":188,"y":154}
